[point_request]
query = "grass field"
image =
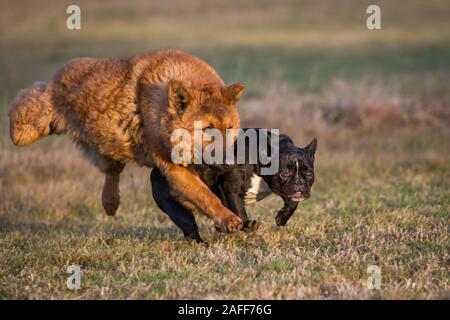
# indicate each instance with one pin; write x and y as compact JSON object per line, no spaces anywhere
{"x":378,"y":101}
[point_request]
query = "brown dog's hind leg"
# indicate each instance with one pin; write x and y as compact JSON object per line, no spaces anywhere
{"x":112,"y":170}
{"x":111,"y":191}
{"x":111,"y":194}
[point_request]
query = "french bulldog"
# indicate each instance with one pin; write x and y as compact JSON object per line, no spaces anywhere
{"x":240,"y":184}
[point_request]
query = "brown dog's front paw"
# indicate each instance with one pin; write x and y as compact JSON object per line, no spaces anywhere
{"x":251,"y":225}
{"x":230,"y":224}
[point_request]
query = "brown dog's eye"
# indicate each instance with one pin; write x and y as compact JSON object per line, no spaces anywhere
{"x":284,"y":175}
{"x":206,"y":129}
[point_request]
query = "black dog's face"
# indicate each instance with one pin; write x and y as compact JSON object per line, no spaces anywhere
{"x":296,"y":173}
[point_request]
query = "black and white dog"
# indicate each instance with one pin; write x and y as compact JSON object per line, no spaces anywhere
{"x":240,"y":184}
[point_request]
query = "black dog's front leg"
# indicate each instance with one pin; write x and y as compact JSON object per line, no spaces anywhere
{"x":232,"y":195}
{"x":234,"y":200}
{"x":286,"y":212}
{"x":181,"y":216}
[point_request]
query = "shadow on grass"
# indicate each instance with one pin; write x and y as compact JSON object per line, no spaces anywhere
{"x":149,"y":233}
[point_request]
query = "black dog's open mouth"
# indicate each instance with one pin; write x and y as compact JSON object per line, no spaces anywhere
{"x":298,"y":196}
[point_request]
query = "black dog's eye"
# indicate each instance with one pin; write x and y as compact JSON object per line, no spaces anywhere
{"x":309,"y":175}
{"x":284,"y":175}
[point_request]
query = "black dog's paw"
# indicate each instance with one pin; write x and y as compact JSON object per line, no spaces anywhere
{"x":283,"y":217}
{"x":280,"y":221}
{"x":251,"y":225}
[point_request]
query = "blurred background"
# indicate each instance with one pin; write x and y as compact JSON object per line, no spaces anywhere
{"x":377,"y":100}
{"x":307,"y":64}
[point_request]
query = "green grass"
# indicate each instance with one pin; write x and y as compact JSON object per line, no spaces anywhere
{"x":391,"y":210}
{"x":377,"y":101}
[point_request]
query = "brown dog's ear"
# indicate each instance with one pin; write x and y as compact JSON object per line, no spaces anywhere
{"x":233,"y":92}
{"x":178,"y":96}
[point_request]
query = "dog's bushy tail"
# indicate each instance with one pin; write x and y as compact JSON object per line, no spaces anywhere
{"x":31,"y":114}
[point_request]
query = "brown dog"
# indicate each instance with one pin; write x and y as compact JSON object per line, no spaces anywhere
{"x":121,"y":111}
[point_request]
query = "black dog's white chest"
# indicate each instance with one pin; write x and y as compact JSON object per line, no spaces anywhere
{"x":258,"y":190}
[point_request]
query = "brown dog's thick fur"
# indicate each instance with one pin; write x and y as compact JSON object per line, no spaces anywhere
{"x":121,"y":111}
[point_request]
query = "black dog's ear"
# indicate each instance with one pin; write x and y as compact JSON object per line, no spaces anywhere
{"x":311,"y":148}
